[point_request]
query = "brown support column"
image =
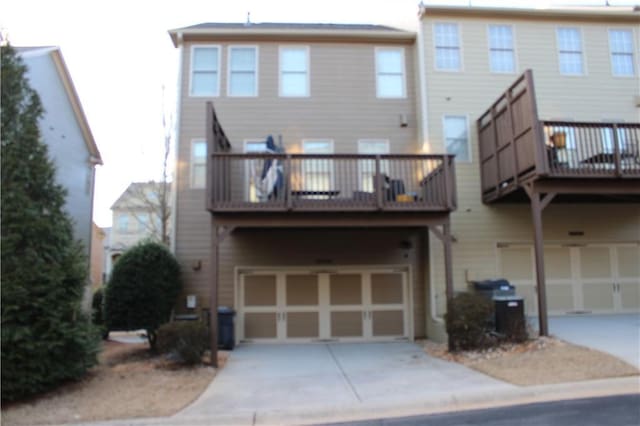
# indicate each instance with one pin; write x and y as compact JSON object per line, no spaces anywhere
{"x":213,"y":295}
{"x":536,"y":211}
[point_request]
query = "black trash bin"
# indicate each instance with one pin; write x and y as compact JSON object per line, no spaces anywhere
{"x":226,"y":336}
{"x":509,"y":316}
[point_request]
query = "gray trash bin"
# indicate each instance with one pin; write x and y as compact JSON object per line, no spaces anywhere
{"x":226,"y":336}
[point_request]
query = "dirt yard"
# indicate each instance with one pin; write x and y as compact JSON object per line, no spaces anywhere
{"x":541,"y":361}
{"x":127,"y":383}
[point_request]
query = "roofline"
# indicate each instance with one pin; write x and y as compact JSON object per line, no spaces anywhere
{"x":623,"y":14}
{"x":63,"y":71}
{"x":182,"y":34}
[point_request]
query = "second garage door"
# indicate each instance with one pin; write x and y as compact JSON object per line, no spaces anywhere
{"x":349,"y":305}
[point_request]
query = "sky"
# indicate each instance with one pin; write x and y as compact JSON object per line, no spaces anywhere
{"x":124,"y":66}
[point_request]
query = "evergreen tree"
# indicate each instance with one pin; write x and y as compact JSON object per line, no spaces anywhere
{"x":45,"y":339}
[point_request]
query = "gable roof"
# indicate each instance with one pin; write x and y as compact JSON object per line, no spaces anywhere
{"x":137,"y":194}
{"x":289,"y":31}
{"x":72,"y":94}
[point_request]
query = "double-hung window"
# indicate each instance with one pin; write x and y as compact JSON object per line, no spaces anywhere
{"x":447,"y":43}
{"x":501,"y":52}
{"x":198,"y":164}
{"x":368,"y":166}
{"x":205,"y":75}
{"x":390,"y":79}
{"x":570,"y":51}
{"x":621,"y":48}
{"x":456,"y":136}
{"x":243,"y":71}
{"x":294,"y":71}
{"x":317,"y":172}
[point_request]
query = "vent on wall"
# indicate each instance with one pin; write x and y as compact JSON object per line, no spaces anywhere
{"x":576,"y":233}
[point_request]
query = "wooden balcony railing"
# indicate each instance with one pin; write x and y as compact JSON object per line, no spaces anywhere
{"x":516,"y":146}
{"x":337,"y":182}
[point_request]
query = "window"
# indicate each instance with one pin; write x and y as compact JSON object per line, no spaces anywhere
{"x":205,"y":64}
{"x":143,"y":221}
{"x":123,"y":223}
{"x":456,"y":137}
{"x":243,"y":73}
{"x":254,"y":167}
{"x":294,"y":71}
{"x":198,"y":164}
{"x":390,"y":73}
{"x":447,"y":44}
{"x":621,"y":47}
{"x":501,"y":55}
{"x":317,"y":173}
{"x":570,"y":51}
{"x":367,"y":168}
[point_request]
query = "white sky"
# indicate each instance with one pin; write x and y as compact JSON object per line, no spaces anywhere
{"x":120,"y":56}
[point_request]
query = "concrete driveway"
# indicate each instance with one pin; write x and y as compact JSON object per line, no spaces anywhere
{"x":263,"y":380}
{"x":618,"y":335}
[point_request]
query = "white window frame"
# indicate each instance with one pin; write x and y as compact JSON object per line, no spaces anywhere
{"x":248,"y":193}
{"x":512,"y":50}
{"x":191,"y":71}
{"x":307,"y":72}
{"x":583,"y":57}
{"x":123,"y":217}
{"x":632,"y":53}
{"x":403,"y":71}
{"x":384,"y":166}
{"x":329,"y":162}
{"x":256,"y":70}
{"x":444,"y":136}
{"x":436,"y":47}
{"x":192,"y":163}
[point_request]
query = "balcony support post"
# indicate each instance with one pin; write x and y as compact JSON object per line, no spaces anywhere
{"x":538,"y":203}
{"x":446,"y":238}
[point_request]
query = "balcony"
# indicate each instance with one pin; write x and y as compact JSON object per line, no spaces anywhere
{"x":579,"y":158}
{"x":339,"y":183}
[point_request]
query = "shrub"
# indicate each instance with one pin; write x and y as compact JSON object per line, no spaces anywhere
{"x":142,"y":290}
{"x":97,"y":312}
{"x":186,"y":340}
{"x":468,"y":322}
{"x":45,"y":339}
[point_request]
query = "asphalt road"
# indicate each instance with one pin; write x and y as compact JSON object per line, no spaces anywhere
{"x":623,"y":410}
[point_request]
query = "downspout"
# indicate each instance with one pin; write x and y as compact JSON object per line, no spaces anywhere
{"x":174,"y":184}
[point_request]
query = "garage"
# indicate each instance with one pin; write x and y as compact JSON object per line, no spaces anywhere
{"x":580,"y":278}
{"x":306,"y":305}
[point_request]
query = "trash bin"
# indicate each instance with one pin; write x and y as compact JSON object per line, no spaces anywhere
{"x":509,"y":316}
{"x":494,"y":288}
{"x":226,"y":336}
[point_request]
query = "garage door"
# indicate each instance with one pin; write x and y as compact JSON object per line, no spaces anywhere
{"x":598,"y":278}
{"x":347,"y":305}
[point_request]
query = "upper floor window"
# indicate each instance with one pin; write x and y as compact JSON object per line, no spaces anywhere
{"x":621,"y":47}
{"x":243,"y":71}
{"x":456,"y":136}
{"x":570,"y":51}
{"x":123,"y":223}
{"x":198,"y":164}
{"x":205,"y":75}
{"x":501,"y":54}
{"x":447,"y":42}
{"x":367,"y":167}
{"x":143,"y":221}
{"x":390,"y":80}
{"x":294,"y":71}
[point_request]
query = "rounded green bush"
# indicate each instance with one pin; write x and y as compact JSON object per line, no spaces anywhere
{"x":142,"y":290}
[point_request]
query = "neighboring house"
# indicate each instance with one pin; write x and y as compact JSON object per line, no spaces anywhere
{"x":585,"y":83}
{"x":327,"y":237}
{"x":65,"y":130}
{"x":332,"y":253}
{"x":97,"y":256}
{"x":137,"y":215}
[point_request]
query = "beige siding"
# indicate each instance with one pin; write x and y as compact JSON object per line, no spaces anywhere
{"x":595,"y":96}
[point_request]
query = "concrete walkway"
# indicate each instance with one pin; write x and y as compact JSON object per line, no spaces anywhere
{"x":618,"y":335}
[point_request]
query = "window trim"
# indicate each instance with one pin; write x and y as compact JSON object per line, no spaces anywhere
{"x":513,"y":47}
{"x":435,"y":47}
{"x":307,"y":70}
{"x":193,"y":48}
{"x":444,"y":137}
{"x":362,"y":141}
{"x":403,"y":70}
{"x":583,"y":53}
{"x":633,"y":52}
{"x":192,"y":163}
{"x":256,"y":71}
